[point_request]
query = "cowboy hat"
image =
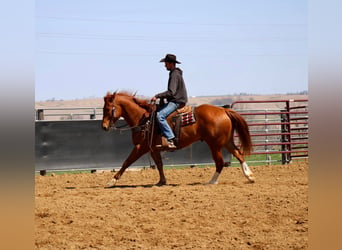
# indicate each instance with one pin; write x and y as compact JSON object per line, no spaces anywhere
{"x":169,"y":58}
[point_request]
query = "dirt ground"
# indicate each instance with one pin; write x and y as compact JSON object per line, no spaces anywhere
{"x":75,"y":211}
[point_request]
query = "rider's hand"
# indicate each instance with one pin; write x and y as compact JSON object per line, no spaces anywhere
{"x":154,"y":99}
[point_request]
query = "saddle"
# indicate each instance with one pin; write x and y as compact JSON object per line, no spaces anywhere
{"x":183,"y":116}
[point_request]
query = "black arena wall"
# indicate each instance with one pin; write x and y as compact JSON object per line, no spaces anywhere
{"x":82,"y":144}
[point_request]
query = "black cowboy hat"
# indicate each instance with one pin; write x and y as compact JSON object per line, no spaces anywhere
{"x":169,"y":58}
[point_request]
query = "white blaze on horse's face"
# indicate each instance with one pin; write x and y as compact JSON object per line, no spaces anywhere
{"x":108,"y":112}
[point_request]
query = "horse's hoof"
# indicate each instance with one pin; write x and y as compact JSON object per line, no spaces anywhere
{"x":251,"y":178}
{"x":161,"y":183}
{"x":111,"y":183}
{"x":211,"y":183}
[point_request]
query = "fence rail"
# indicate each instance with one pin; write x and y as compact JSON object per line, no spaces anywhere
{"x":69,"y":113}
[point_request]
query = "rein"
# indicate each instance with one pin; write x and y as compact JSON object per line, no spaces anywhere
{"x":126,"y":127}
{"x":146,"y":125}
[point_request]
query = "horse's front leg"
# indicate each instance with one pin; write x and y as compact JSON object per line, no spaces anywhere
{"x":159,"y":162}
{"x":136,"y":153}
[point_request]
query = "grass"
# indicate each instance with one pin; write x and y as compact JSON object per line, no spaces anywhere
{"x":252,"y":160}
{"x":61,"y":172}
{"x":257,"y":160}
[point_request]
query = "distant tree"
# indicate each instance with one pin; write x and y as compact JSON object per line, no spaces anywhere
{"x":303,"y":92}
{"x":222,"y":101}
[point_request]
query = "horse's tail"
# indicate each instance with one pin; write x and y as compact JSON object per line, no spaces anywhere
{"x":241,"y":126}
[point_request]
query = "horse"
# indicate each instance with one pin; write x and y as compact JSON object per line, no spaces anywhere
{"x":214,"y":125}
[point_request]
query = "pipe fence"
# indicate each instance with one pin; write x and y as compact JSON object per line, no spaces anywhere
{"x":69,"y":113}
{"x":281,"y":131}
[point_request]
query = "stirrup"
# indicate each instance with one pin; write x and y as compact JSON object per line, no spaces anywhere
{"x":171,"y":145}
{"x":165,"y":144}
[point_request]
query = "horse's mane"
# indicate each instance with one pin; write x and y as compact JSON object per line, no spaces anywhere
{"x":143,"y":103}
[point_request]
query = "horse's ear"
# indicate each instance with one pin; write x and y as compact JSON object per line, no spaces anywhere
{"x":113,"y":96}
{"x":136,"y":100}
{"x":110,"y":97}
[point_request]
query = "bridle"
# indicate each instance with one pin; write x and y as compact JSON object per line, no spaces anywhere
{"x":146,"y":125}
{"x":143,"y":124}
{"x":113,"y":120}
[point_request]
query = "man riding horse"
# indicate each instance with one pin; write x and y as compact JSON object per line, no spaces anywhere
{"x":176,"y":96}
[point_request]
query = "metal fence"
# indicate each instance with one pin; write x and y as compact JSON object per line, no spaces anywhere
{"x":277,"y":131}
{"x":69,"y":113}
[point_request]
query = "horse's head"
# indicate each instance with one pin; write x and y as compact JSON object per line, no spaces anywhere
{"x":111,"y":111}
{"x":122,"y":104}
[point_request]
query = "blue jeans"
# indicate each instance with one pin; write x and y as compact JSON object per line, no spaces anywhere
{"x":162,"y":114}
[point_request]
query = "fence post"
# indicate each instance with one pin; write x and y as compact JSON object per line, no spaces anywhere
{"x":289,"y":146}
{"x":40,"y":114}
{"x":93,"y":116}
{"x":284,"y":158}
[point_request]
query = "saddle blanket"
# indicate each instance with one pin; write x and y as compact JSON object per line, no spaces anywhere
{"x":187,"y":117}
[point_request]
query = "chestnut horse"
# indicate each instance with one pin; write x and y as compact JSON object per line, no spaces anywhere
{"x":214,"y":125}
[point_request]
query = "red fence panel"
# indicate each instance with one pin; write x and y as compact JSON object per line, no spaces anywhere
{"x":277,"y":127}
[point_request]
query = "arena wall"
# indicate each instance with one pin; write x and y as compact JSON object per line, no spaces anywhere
{"x":82,"y":144}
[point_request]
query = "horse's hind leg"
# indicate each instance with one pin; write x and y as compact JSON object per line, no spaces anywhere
{"x":245,"y":169}
{"x":219,"y":163}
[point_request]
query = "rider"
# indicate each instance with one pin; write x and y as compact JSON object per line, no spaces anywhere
{"x":176,"y":96}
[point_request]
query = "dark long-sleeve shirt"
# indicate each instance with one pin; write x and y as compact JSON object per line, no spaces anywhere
{"x":176,"y":90}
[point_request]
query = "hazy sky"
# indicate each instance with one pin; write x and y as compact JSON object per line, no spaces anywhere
{"x":85,"y":48}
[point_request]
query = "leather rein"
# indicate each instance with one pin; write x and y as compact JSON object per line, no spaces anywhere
{"x":146,"y":125}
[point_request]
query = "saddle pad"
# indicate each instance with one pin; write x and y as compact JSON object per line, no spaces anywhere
{"x":187,"y":118}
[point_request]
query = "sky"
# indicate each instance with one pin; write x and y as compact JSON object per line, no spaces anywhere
{"x":85,"y":48}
